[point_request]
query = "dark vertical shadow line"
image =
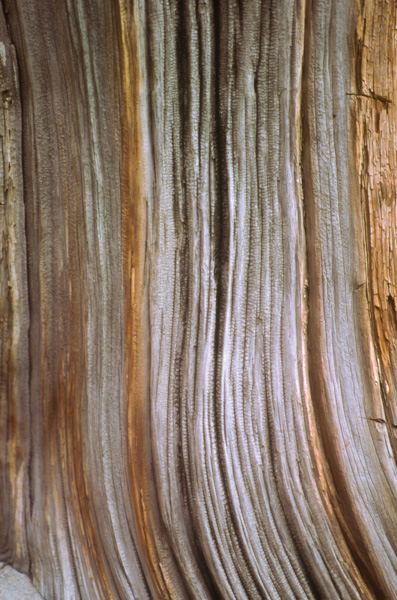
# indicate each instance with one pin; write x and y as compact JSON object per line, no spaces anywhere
{"x":221,"y":227}
{"x":222,"y":257}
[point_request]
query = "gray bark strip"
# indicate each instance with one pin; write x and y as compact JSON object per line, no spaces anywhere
{"x":345,"y":376}
{"x":233,"y":381}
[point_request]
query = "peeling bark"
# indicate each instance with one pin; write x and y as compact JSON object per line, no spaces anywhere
{"x":199,"y":308}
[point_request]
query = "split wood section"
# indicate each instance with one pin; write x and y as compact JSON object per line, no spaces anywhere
{"x":198,"y":298}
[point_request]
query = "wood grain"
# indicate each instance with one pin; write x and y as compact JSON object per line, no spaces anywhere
{"x":375,"y":113}
{"x":14,"y":316}
{"x":198,"y":334}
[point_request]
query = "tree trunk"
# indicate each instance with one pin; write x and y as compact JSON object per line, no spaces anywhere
{"x":198,"y":307}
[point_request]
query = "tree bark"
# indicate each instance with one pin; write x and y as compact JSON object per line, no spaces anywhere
{"x":199,"y":298}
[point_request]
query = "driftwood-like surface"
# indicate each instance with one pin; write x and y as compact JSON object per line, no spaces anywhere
{"x":198,"y":310}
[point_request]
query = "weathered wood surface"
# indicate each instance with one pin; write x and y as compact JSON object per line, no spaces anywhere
{"x":198,"y":298}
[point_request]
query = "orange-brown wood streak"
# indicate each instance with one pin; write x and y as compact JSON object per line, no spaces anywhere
{"x":335,"y":507}
{"x":133,"y":231}
{"x":326,"y":485}
{"x":62,"y":505}
{"x":64,"y":338}
{"x":375,"y":114}
{"x":71,"y":401}
{"x":338,"y":500}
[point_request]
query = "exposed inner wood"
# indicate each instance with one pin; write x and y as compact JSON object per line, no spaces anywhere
{"x":198,"y":324}
{"x":375,"y":108}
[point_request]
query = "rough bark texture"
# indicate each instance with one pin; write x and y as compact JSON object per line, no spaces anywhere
{"x":198,"y":309}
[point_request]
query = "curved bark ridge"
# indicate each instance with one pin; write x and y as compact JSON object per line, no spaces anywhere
{"x":199,"y":340}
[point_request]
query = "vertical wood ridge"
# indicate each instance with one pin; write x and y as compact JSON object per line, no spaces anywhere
{"x":14,"y":316}
{"x":200,"y":385}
